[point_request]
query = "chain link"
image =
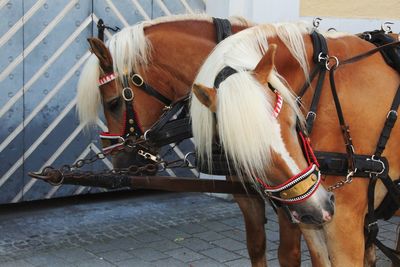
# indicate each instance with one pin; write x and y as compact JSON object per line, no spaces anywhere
{"x":133,"y":170}
{"x":347,"y":180}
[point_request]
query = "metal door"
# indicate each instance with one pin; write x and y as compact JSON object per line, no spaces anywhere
{"x":42,"y":49}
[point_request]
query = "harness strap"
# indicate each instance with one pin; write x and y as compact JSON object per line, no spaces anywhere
{"x":389,"y":123}
{"x":223,"y":75}
{"x":371,"y":220}
{"x":369,"y":53}
{"x":392,"y":254}
{"x":320,"y":55}
{"x":371,"y":223}
{"x":166,"y":131}
{"x":344,"y":127}
{"x":320,"y":47}
{"x":307,"y":84}
{"x":132,"y":125}
{"x":140,"y":83}
{"x":223,"y":28}
{"x":312,"y":113}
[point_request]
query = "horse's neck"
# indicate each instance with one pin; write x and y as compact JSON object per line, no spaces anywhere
{"x":178,"y":50}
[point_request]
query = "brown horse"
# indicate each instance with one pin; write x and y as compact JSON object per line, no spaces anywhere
{"x":366,"y":89}
{"x":167,"y":53}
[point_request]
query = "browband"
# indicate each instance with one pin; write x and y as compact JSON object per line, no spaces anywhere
{"x":107,"y":78}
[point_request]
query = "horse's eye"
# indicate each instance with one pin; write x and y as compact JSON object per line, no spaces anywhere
{"x":113,"y":104}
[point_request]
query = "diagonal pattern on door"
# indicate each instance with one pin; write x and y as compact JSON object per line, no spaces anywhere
{"x":43,"y":48}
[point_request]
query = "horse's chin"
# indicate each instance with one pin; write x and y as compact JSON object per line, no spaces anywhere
{"x":135,"y":162}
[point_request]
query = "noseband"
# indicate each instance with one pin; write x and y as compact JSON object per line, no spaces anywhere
{"x":302,"y":185}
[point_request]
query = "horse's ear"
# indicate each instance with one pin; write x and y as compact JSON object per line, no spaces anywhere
{"x":103,"y":54}
{"x":266,"y":65}
{"x":207,"y":96}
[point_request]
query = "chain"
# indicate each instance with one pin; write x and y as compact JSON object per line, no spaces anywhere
{"x":56,"y":176}
{"x":347,"y":180}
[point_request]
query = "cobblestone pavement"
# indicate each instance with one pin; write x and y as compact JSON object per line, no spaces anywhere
{"x":125,"y":229}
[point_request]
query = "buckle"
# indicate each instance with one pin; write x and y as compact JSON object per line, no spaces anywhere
{"x":137,"y":80}
{"x":148,"y":156}
{"x":378,"y":161}
{"x":322,"y":57}
{"x":127,"y":94}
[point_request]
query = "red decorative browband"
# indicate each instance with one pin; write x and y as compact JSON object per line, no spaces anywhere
{"x":107,"y":78}
{"x":278,"y":104}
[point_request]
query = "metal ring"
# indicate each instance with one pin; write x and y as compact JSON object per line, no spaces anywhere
{"x":145,"y":134}
{"x":124,"y":96}
{"x":328,"y":60}
{"x":58,"y":183}
{"x":139,"y":77}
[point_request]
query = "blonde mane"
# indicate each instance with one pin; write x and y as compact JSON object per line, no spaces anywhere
{"x":240,"y":97}
{"x":130,"y":50}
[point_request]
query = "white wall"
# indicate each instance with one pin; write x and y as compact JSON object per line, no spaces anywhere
{"x":263,"y":11}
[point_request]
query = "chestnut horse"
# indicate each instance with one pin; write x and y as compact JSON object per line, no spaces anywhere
{"x":366,"y":89}
{"x":167,"y":53}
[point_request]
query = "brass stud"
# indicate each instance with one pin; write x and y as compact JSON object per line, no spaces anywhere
{"x":131,"y":129}
{"x":131,"y":121}
{"x":314,"y":177}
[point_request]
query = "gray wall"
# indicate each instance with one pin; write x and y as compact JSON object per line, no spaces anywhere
{"x":42,"y":49}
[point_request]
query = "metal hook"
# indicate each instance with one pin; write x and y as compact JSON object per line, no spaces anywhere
{"x":186,"y":160}
{"x":316,"y":22}
{"x":101,"y":27}
{"x":386,"y":27}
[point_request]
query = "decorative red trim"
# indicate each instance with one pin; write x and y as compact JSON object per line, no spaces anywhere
{"x":290,"y":180}
{"x":107,"y":78}
{"x":278,"y":104}
{"x":109,"y":134}
{"x":311,"y":158}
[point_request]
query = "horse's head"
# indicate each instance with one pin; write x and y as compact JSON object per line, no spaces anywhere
{"x":118,"y":94}
{"x":264,"y":139}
